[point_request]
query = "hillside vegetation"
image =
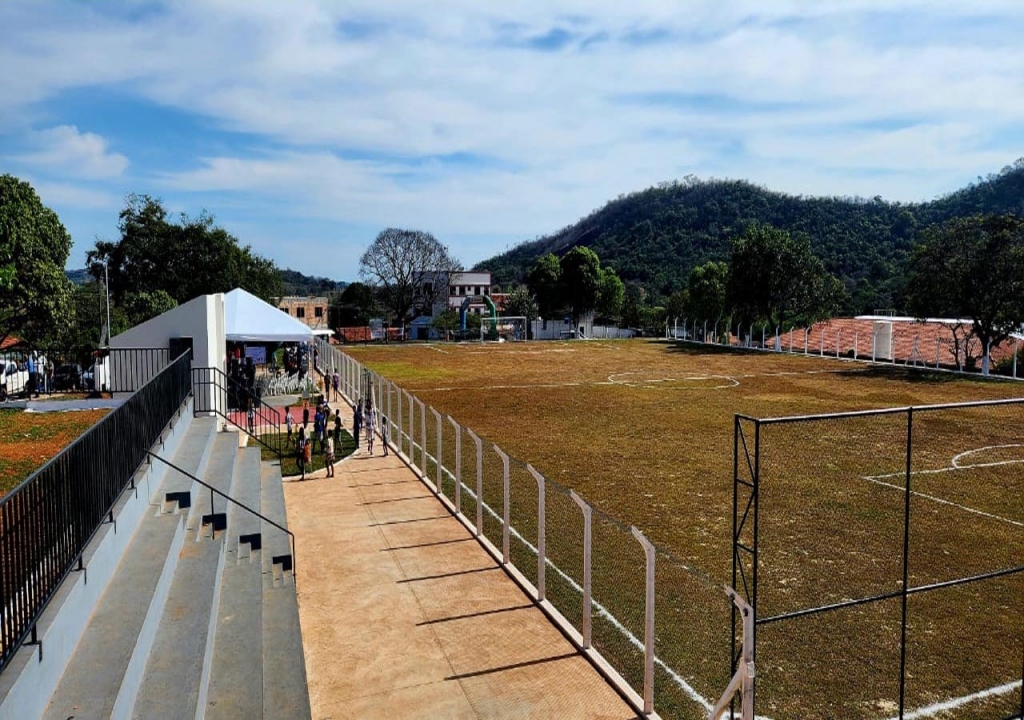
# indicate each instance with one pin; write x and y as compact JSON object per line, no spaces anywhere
{"x":654,"y":237}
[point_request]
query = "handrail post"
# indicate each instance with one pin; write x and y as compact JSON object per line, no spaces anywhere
{"x":743,"y":679}
{"x":648,"y":622}
{"x":479,"y":482}
{"x":587,"y":609}
{"x":505,"y":506}
{"x":423,"y":438}
{"x":437,"y":460}
{"x":458,"y":464}
{"x":541,"y":549}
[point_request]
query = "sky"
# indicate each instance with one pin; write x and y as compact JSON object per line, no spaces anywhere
{"x":307,"y":127}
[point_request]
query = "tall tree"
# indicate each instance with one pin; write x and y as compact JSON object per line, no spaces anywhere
{"x":972,"y":267}
{"x":581,"y":280}
{"x":519,"y":302}
{"x":35,"y":295}
{"x":633,"y":304}
{"x":706,"y":291}
{"x":187,"y":258}
{"x":355,"y":306}
{"x":775,"y":278}
{"x":411,"y":268}
{"x":610,"y":294}
{"x":545,"y":282}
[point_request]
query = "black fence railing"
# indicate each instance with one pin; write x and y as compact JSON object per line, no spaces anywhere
{"x":217,"y":393}
{"x":889,"y":543}
{"x":26,"y":373}
{"x":49,"y":519}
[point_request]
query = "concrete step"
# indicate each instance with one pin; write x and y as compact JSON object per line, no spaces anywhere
{"x":104,"y":672}
{"x":236,"y":668}
{"x":173,"y":680}
{"x":285,"y":694}
{"x":175,"y":494}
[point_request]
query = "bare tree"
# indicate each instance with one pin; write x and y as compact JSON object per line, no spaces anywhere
{"x":411,"y":268}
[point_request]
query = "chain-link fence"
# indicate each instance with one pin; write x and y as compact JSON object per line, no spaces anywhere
{"x":883,"y":556}
{"x":659,"y":624}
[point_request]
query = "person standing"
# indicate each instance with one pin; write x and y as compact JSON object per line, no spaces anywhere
{"x":336,"y":382}
{"x":250,"y":417}
{"x":300,"y":452}
{"x":337,"y":428}
{"x":288,"y":423}
{"x":33,"y":374}
{"x":330,"y":456}
{"x":357,"y":422}
{"x":318,"y":424}
{"x":384,"y":434}
{"x":368,"y":418}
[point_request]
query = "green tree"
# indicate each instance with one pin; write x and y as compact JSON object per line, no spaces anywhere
{"x":185,"y":259}
{"x":973,"y":268}
{"x":633,"y":303}
{"x":519,"y":302}
{"x":141,"y":306}
{"x":354,"y":307}
{"x":545,"y":282}
{"x":581,"y":280}
{"x":706,"y":291}
{"x":775,"y":278}
{"x":677,"y":306}
{"x":410,"y":268}
{"x":447,"y":322}
{"x":35,"y":295}
{"x":610,"y":294}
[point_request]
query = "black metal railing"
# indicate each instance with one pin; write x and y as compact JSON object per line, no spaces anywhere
{"x":48,"y":520}
{"x":217,"y":393}
{"x":63,"y":370}
{"x":288,"y":564}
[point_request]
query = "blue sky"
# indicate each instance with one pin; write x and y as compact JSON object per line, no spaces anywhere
{"x":307,"y":127}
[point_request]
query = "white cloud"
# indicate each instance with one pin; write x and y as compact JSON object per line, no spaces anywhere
{"x":75,"y":153}
{"x":67,"y":195}
{"x":355,"y":105}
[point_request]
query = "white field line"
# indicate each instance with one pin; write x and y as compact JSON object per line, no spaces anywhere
{"x":930,"y":710}
{"x":877,"y":479}
{"x":601,"y":610}
{"x":732,"y":380}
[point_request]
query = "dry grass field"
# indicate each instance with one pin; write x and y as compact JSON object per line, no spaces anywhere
{"x":28,"y":440}
{"x":644,"y":431}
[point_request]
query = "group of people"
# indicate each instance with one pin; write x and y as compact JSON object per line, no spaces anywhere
{"x":322,"y":434}
{"x":325,"y":435}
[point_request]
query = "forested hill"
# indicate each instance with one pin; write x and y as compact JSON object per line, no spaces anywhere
{"x":655,"y":236}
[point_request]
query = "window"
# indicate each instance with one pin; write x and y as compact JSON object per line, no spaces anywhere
{"x":453,"y":290}
{"x":300,"y":312}
{"x":284,"y":310}
{"x":428,"y":289}
{"x":318,"y":312}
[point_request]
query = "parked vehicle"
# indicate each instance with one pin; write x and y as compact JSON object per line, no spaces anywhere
{"x":13,"y":379}
{"x":68,"y":377}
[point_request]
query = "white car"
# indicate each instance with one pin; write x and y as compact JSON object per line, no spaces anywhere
{"x":14,"y":379}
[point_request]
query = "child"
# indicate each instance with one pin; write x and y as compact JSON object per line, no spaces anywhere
{"x":384,"y":434}
{"x":337,"y":427}
{"x":305,"y":414}
{"x":288,"y":422}
{"x":300,"y":452}
{"x":330,"y":456}
{"x":251,"y":418}
{"x":368,"y":419}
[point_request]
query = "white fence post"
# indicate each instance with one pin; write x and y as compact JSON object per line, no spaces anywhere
{"x":479,"y":482}
{"x":412,"y":438}
{"x":791,"y":340}
{"x":423,"y":438}
{"x":437,"y":460}
{"x":936,"y":353}
{"x":648,"y":622}
{"x":874,"y":346}
{"x":839,"y":334}
{"x":807,"y":337}
{"x":541,"y":514}
{"x":821,"y":351}
{"x":458,"y":464}
{"x":398,"y":424}
{"x":986,"y":361}
{"x":505,"y":507}
{"x":586,"y":567}
{"x":391,"y":422}
{"x":1016,"y":349}
{"x":705,"y":338}
{"x":856,"y":342}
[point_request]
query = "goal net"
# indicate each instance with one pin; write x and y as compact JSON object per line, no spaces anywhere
{"x":507,"y":328}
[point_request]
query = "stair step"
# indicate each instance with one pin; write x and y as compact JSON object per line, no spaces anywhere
{"x":171,"y":684}
{"x":285,"y":693}
{"x":110,"y":656}
{"x":192,"y":455}
{"x":235,"y":686}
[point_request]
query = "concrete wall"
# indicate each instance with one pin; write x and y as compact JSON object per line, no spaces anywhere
{"x":201,"y":318}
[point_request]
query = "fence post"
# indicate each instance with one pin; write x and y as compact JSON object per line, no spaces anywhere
{"x":936,"y":353}
{"x":412,"y":438}
{"x":458,"y":464}
{"x":423,"y":439}
{"x":705,"y":338}
{"x":437,"y":460}
{"x":821,"y":351}
{"x":874,"y":346}
{"x":586,"y":566}
{"x":398,"y":424}
{"x":856,"y":343}
{"x":839,"y":334}
{"x":391,"y":421}
{"x":791,"y":340}
{"x":985,"y":361}
{"x":479,"y":482}
{"x":1016,"y":349}
{"x":807,"y":337}
{"x":541,"y":557}
{"x":505,"y":506}
{"x":648,"y":622}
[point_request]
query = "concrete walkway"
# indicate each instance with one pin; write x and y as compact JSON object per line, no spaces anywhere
{"x":404,"y":615}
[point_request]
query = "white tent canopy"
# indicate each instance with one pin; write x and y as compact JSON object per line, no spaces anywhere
{"x":249,"y":319}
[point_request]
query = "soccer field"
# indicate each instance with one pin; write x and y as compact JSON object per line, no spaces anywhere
{"x":644,"y":431}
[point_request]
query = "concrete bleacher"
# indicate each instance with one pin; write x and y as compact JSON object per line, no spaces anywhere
{"x":187,"y":615}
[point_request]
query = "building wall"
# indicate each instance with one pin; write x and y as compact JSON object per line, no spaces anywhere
{"x":310,"y":310}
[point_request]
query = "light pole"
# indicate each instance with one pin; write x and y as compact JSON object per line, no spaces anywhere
{"x":106,"y":288}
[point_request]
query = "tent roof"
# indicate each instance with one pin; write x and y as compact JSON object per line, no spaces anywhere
{"x":249,"y":319}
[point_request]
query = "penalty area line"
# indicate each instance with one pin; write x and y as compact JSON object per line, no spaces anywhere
{"x":953,"y":704}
